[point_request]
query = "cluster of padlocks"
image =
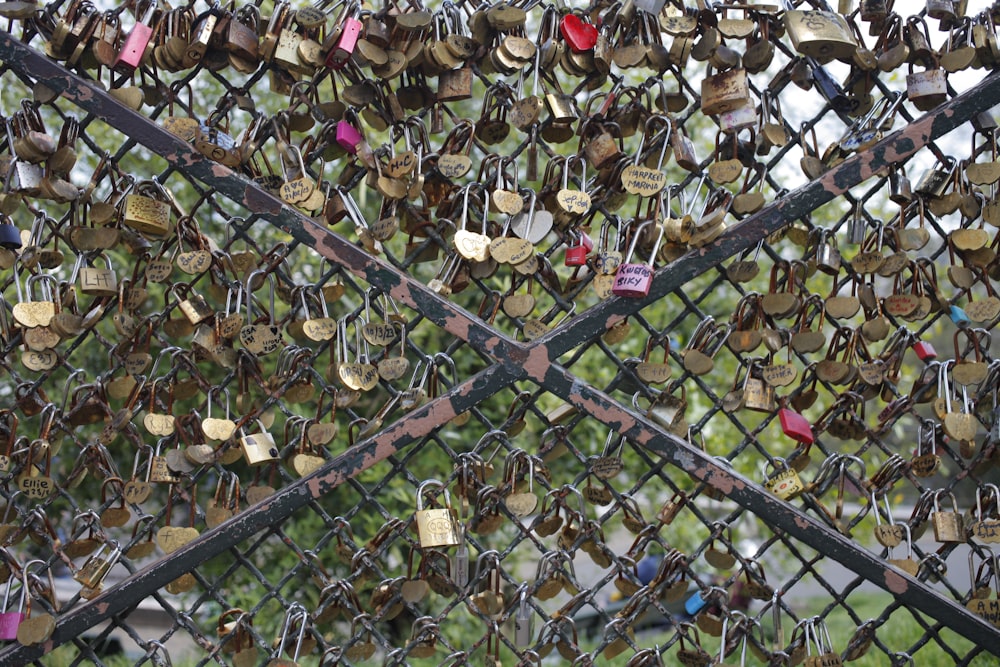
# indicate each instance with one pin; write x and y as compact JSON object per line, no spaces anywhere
{"x":491,"y":176}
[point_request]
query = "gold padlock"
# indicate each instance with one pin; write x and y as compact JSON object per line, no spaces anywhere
{"x":948,"y":526}
{"x":822,"y":35}
{"x":436,"y":527}
{"x":786,"y":483}
{"x":147,"y":215}
{"x":259,"y":448}
{"x":194,"y":306}
{"x":724,"y":91}
{"x":95,"y":281}
{"x":98,"y":565}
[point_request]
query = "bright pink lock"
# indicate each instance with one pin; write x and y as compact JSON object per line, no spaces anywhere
{"x":9,"y":623}
{"x":130,"y":57}
{"x":795,"y":426}
{"x":346,"y":43}
{"x":348,"y":137}
{"x":576,"y":253}
{"x":925,"y":351}
{"x":633,"y":280}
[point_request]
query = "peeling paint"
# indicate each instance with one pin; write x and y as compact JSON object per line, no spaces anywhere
{"x":895,"y":582}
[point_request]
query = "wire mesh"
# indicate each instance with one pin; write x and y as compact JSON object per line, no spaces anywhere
{"x":604,"y":544}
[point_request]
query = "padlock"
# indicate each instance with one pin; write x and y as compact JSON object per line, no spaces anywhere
{"x":925,"y":351}
{"x":936,"y":179}
{"x":633,"y":280}
{"x":579,"y":248}
{"x":795,"y":426}
{"x":668,"y":512}
{"x":95,"y":281}
{"x":757,"y":394}
{"x":724,"y":91}
{"x":436,"y":527}
{"x":524,"y":633}
{"x":10,"y":236}
{"x":131,"y":54}
{"x":146,"y":214}
{"x":10,"y":620}
{"x":828,"y":257}
{"x":822,"y":35}
{"x":347,"y":41}
{"x":259,"y":448}
{"x":927,"y":89}
{"x":349,"y":137}
{"x":96,"y":568}
{"x":785,"y":483}
{"x":193,"y":305}
{"x":159,"y":471}
{"x":201,"y":36}
{"x":948,"y":526}
{"x":579,"y":35}
{"x":455,"y":84}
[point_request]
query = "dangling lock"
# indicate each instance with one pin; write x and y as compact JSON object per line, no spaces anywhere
{"x":794,"y":425}
{"x":948,"y":526}
{"x":258,"y":448}
{"x":436,"y":527}
{"x":93,"y":572}
{"x":95,"y":281}
{"x":193,"y":305}
{"x":578,"y":248}
{"x":134,"y":49}
{"x":524,"y":620}
{"x":10,"y":620}
{"x":634,"y":280}
{"x":785,"y":483}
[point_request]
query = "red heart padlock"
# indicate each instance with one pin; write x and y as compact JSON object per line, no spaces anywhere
{"x":925,"y":351}
{"x":579,"y":35}
{"x":576,"y":253}
{"x":795,"y":426}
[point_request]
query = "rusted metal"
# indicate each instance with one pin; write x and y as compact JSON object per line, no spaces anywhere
{"x":514,"y":361}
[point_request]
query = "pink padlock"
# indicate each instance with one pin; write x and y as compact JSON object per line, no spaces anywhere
{"x":345,"y":45}
{"x":576,"y":253}
{"x":134,"y":48}
{"x":795,"y":426}
{"x":925,"y":351}
{"x":11,"y":620}
{"x":349,"y":137}
{"x":633,"y":280}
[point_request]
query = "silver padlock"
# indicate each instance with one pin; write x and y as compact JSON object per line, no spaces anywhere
{"x":524,"y":621}
{"x":936,"y":179}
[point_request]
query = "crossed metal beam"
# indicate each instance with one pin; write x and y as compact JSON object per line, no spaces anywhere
{"x":514,"y":361}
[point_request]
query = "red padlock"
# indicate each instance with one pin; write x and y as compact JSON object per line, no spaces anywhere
{"x":346,"y":42}
{"x":576,"y":254}
{"x":925,"y":351}
{"x":130,"y":56}
{"x":795,"y":426}
{"x":580,"y":36}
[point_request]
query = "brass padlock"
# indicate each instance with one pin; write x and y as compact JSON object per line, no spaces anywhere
{"x":948,"y":526}
{"x":785,"y":483}
{"x":193,"y":305}
{"x":436,"y":527}
{"x":95,"y":281}
{"x":822,"y":35}
{"x":98,"y":565}
{"x":757,"y":394}
{"x":259,"y":448}
{"x":455,"y":84}
{"x":146,"y":214}
{"x":724,"y":91}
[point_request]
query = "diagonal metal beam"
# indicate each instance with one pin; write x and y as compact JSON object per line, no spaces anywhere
{"x":92,"y":98}
{"x":123,"y":596}
{"x":515,"y":361}
{"x":780,"y":515}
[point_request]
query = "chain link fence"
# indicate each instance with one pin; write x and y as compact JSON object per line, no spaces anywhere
{"x":754,"y":463}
